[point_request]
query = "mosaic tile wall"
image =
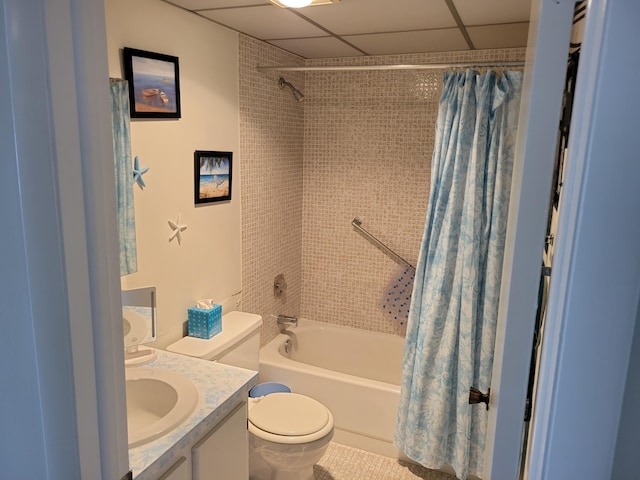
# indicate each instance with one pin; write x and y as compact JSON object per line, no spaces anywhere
{"x":368,"y":144}
{"x":271,"y":151}
{"x":360,"y":145}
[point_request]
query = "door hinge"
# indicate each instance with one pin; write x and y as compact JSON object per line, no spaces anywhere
{"x":476,"y":396}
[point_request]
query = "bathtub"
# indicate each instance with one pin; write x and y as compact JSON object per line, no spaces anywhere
{"x":355,"y":373}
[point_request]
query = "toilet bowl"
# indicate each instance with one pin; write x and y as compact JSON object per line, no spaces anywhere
{"x":288,"y":434}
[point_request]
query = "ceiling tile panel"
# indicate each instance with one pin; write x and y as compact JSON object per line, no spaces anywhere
{"x":485,"y":12}
{"x":264,"y":22}
{"x":376,"y":27}
{"x":449,"y":39}
{"x":323,"y":47}
{"x":209,"y":4}
{"x":499,"y":36}
{"x":373,"y":16}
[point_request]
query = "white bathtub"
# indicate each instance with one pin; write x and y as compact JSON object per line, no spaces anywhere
{"x":355,"y":373}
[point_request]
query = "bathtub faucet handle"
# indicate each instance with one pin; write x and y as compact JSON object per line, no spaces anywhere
{"x":279,"y":285}
{"x":287,"y":320}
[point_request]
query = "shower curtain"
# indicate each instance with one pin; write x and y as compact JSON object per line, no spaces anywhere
{"x":124,"y":175}
{"x":454,"y":306}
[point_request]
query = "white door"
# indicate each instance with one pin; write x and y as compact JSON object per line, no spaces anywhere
{"x":66,"y":415}
{"x":595,"y":286}
{"x":548,"y":47}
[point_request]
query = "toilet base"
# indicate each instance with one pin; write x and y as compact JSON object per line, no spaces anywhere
{"x":305,"y":474}
{"x":259,"y":469}
{"x":268,"y":461}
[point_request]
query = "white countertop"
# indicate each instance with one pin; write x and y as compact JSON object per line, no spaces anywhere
{"x":221,"y":388}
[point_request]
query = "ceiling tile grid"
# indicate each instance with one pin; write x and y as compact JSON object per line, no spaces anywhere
{"x":320,"y":47}
{"x":505,"y":35}
{"x":449,"y":39}
{"x":474,"y":12}
{"x":264,"y":22}
{"x":373,"y":27}
{"x":351,"y":17}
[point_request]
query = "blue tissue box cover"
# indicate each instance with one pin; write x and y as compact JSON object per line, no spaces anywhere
{"x":203,"y":322}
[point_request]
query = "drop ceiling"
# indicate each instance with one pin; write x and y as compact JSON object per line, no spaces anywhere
{"x":373,"y":27}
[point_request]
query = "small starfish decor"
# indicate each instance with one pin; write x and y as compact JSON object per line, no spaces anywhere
{"x":176,"y":230}
{"x":138,"y":172}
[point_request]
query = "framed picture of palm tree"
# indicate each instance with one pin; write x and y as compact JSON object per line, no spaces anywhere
{"x":212,"y":175}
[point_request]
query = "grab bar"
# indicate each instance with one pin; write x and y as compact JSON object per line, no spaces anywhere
{"x":357,"y":223}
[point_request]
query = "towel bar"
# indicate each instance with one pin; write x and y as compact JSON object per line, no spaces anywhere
{"x":357,"y":223}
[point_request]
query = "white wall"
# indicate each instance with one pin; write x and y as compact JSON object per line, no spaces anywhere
{"x":208,"y":262}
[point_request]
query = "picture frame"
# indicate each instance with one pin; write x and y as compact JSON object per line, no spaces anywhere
{"x":212,"y":176}
{"x":154,"y":84}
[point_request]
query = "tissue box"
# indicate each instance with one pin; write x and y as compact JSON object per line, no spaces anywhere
{"x":204,"y":322}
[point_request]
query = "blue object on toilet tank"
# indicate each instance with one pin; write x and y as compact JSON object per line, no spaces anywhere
{"x":266,"y":388}
{"x":204,"y":322}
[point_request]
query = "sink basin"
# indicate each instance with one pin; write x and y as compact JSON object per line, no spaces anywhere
{"x":135,"y":326}
{"x":158,"y":400}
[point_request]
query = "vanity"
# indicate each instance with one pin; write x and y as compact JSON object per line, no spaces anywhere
{"x":186,"y":417}
{"x":212,"y":441}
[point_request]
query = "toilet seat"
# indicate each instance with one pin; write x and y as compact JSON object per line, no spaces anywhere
{"x":289,"y":418}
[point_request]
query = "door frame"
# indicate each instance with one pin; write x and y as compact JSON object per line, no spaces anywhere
{"x":595,"y":283}
{"x":545,"y":68}
{"x":75,"y":38}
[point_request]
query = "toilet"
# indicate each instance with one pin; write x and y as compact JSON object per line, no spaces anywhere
{"x":288,"y":432}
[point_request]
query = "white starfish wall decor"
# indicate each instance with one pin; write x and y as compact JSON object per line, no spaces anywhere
{"x":176,"y":230}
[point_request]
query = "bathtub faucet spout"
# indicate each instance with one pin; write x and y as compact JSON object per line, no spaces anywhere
{"x":286,"y":320}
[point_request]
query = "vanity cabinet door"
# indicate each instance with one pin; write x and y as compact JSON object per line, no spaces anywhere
{"x":223,"y":454}
{"x":179,"y":471}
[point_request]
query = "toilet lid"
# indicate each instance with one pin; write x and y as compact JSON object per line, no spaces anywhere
{"x":289,"y":414}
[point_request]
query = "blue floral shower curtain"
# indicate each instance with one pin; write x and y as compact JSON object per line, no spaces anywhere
{"x":124,"y":175}
{"x":454,"y":306}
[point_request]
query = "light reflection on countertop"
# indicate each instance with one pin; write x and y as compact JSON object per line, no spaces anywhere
{"x":221,"y":388}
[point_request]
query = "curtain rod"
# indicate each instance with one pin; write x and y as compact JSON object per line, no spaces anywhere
{"x":432,"y":66}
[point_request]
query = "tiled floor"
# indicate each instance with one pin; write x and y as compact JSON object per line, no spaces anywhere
{"x":346,"y":463}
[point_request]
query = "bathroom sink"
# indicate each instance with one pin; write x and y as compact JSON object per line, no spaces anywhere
{"x":158,"y":400}
{"x":135,"y":326}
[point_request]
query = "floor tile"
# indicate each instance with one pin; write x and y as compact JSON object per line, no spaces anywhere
{"x":341,"y":462}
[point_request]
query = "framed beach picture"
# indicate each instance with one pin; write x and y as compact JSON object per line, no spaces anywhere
{"x":154,"y":84}
{"x":212,"y":175}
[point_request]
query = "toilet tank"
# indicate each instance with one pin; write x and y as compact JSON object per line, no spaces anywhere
{"x":237,"y":344}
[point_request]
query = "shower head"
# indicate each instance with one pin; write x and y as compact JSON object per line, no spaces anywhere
{"x":296,"y":93}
